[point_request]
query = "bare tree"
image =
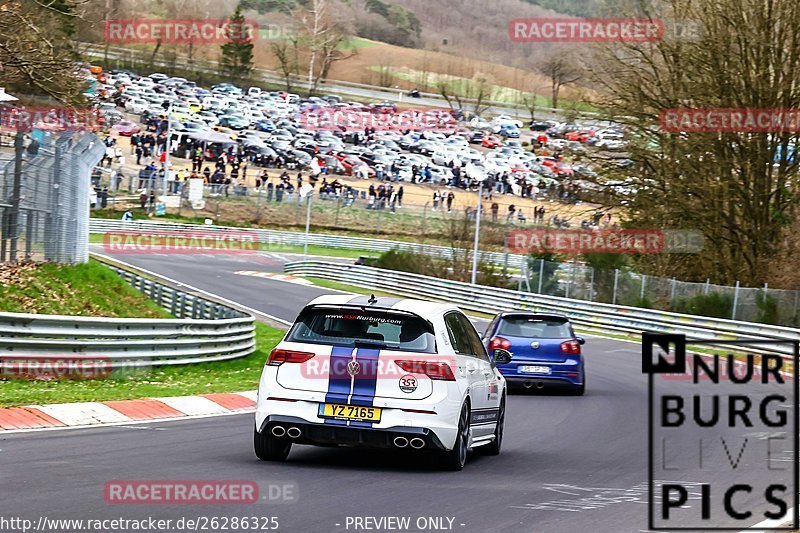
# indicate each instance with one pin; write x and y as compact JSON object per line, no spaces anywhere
{"x":286,"y":52}
{"x":739,"y":188}
{"x":36,"y":51}
{"x":561,"y":69}
{"x":321,"y":35}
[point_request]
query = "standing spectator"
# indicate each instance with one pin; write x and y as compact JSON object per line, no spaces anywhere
{"x":134,"y":143}
{"x":450,"y":198}
{"x":143,"y":199}
{"x":400,"y":197}
{"x":511,"y":210}
{"x":495,"y":209}
{"x":436,"y":197}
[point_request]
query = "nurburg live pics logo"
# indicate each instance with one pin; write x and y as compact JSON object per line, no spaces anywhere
{"x":726,"y":436}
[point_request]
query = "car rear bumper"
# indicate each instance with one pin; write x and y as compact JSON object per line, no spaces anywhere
{"x":441,"y":423}
{"x":324,"y":434}
{"x":537,"y":381}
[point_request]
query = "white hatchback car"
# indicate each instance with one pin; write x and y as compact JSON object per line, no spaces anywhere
{"x":381,"y":372}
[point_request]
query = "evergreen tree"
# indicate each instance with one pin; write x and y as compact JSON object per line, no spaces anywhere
{"x":237,"y":53}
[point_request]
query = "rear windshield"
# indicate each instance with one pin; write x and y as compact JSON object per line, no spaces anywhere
{"x":353,"y":328}
{"x":537,"y":327}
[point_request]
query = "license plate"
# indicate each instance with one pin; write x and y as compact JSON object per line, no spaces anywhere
{"x":535,"y":369}
{"x":351,"y":412}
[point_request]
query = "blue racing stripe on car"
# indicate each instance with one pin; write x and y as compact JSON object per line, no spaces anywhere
{"x":338,"y":380}
{"x":366,"y":381}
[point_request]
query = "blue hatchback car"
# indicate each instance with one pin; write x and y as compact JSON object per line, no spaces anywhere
{"x":536,"y":349}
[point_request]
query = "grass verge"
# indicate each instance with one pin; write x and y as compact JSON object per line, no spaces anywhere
{"x":89,"y":289}
{"x":92,"y":289}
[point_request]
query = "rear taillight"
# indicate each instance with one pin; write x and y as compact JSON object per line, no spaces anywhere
{"x":571,"y":347}
{"x":499,"y":343}
{"x":434,"y":370}
{"x":278,"y":357}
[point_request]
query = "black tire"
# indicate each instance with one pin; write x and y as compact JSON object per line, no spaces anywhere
{"x":493,"y":448}
{"x":270,"y":448}
{"x":455,"y":459}
{"x":580,"y":389}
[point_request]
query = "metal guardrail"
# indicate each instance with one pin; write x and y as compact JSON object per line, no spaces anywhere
{"x":277,"y":238}
{"x":203,"y":331}
{"x":593,"y":316}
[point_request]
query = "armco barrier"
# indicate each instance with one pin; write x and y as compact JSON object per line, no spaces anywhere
{"x":203,"y":331}
{"x":594,"y":316}
{"x":278,"y":238}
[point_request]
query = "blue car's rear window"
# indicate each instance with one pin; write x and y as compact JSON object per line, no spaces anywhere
{"x":540,"y":328}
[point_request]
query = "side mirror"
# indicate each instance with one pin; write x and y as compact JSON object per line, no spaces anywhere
{"x":580,"y":340}
{"x":502,"y":357}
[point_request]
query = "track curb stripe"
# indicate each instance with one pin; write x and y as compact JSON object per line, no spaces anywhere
{"x":115,"y":412}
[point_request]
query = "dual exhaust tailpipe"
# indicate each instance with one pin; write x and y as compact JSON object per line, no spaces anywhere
{"x":292,"y":432}
{"x":531,"y":384}
{"x":416,"y":443}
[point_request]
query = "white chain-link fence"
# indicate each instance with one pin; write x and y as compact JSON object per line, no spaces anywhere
{"x":44,"y":196}
{"x":624,"y":287}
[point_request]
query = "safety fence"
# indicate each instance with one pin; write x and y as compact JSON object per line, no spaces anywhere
{"x":592,"y":316}
{"x":202,"y":331}
{"x":44,"y":196}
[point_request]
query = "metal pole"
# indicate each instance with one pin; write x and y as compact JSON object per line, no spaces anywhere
{"x":477,"y":234}
{"x":672,"y":295}
{"x":616,"y":284}
{"x":571,"y":278}
{"x":505,"y":258}
{"x":541,"y":274}
{"x":16,"y":196}
{"x":641,"y":293}
{"x":308,"y":221}
{"x":707,"y":287}
{"x":735,"y":301}
{"x":167,"y":148}
{"x":591,"y":287}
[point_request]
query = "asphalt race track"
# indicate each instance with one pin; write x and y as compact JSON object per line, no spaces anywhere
{"x":569,"y":464}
